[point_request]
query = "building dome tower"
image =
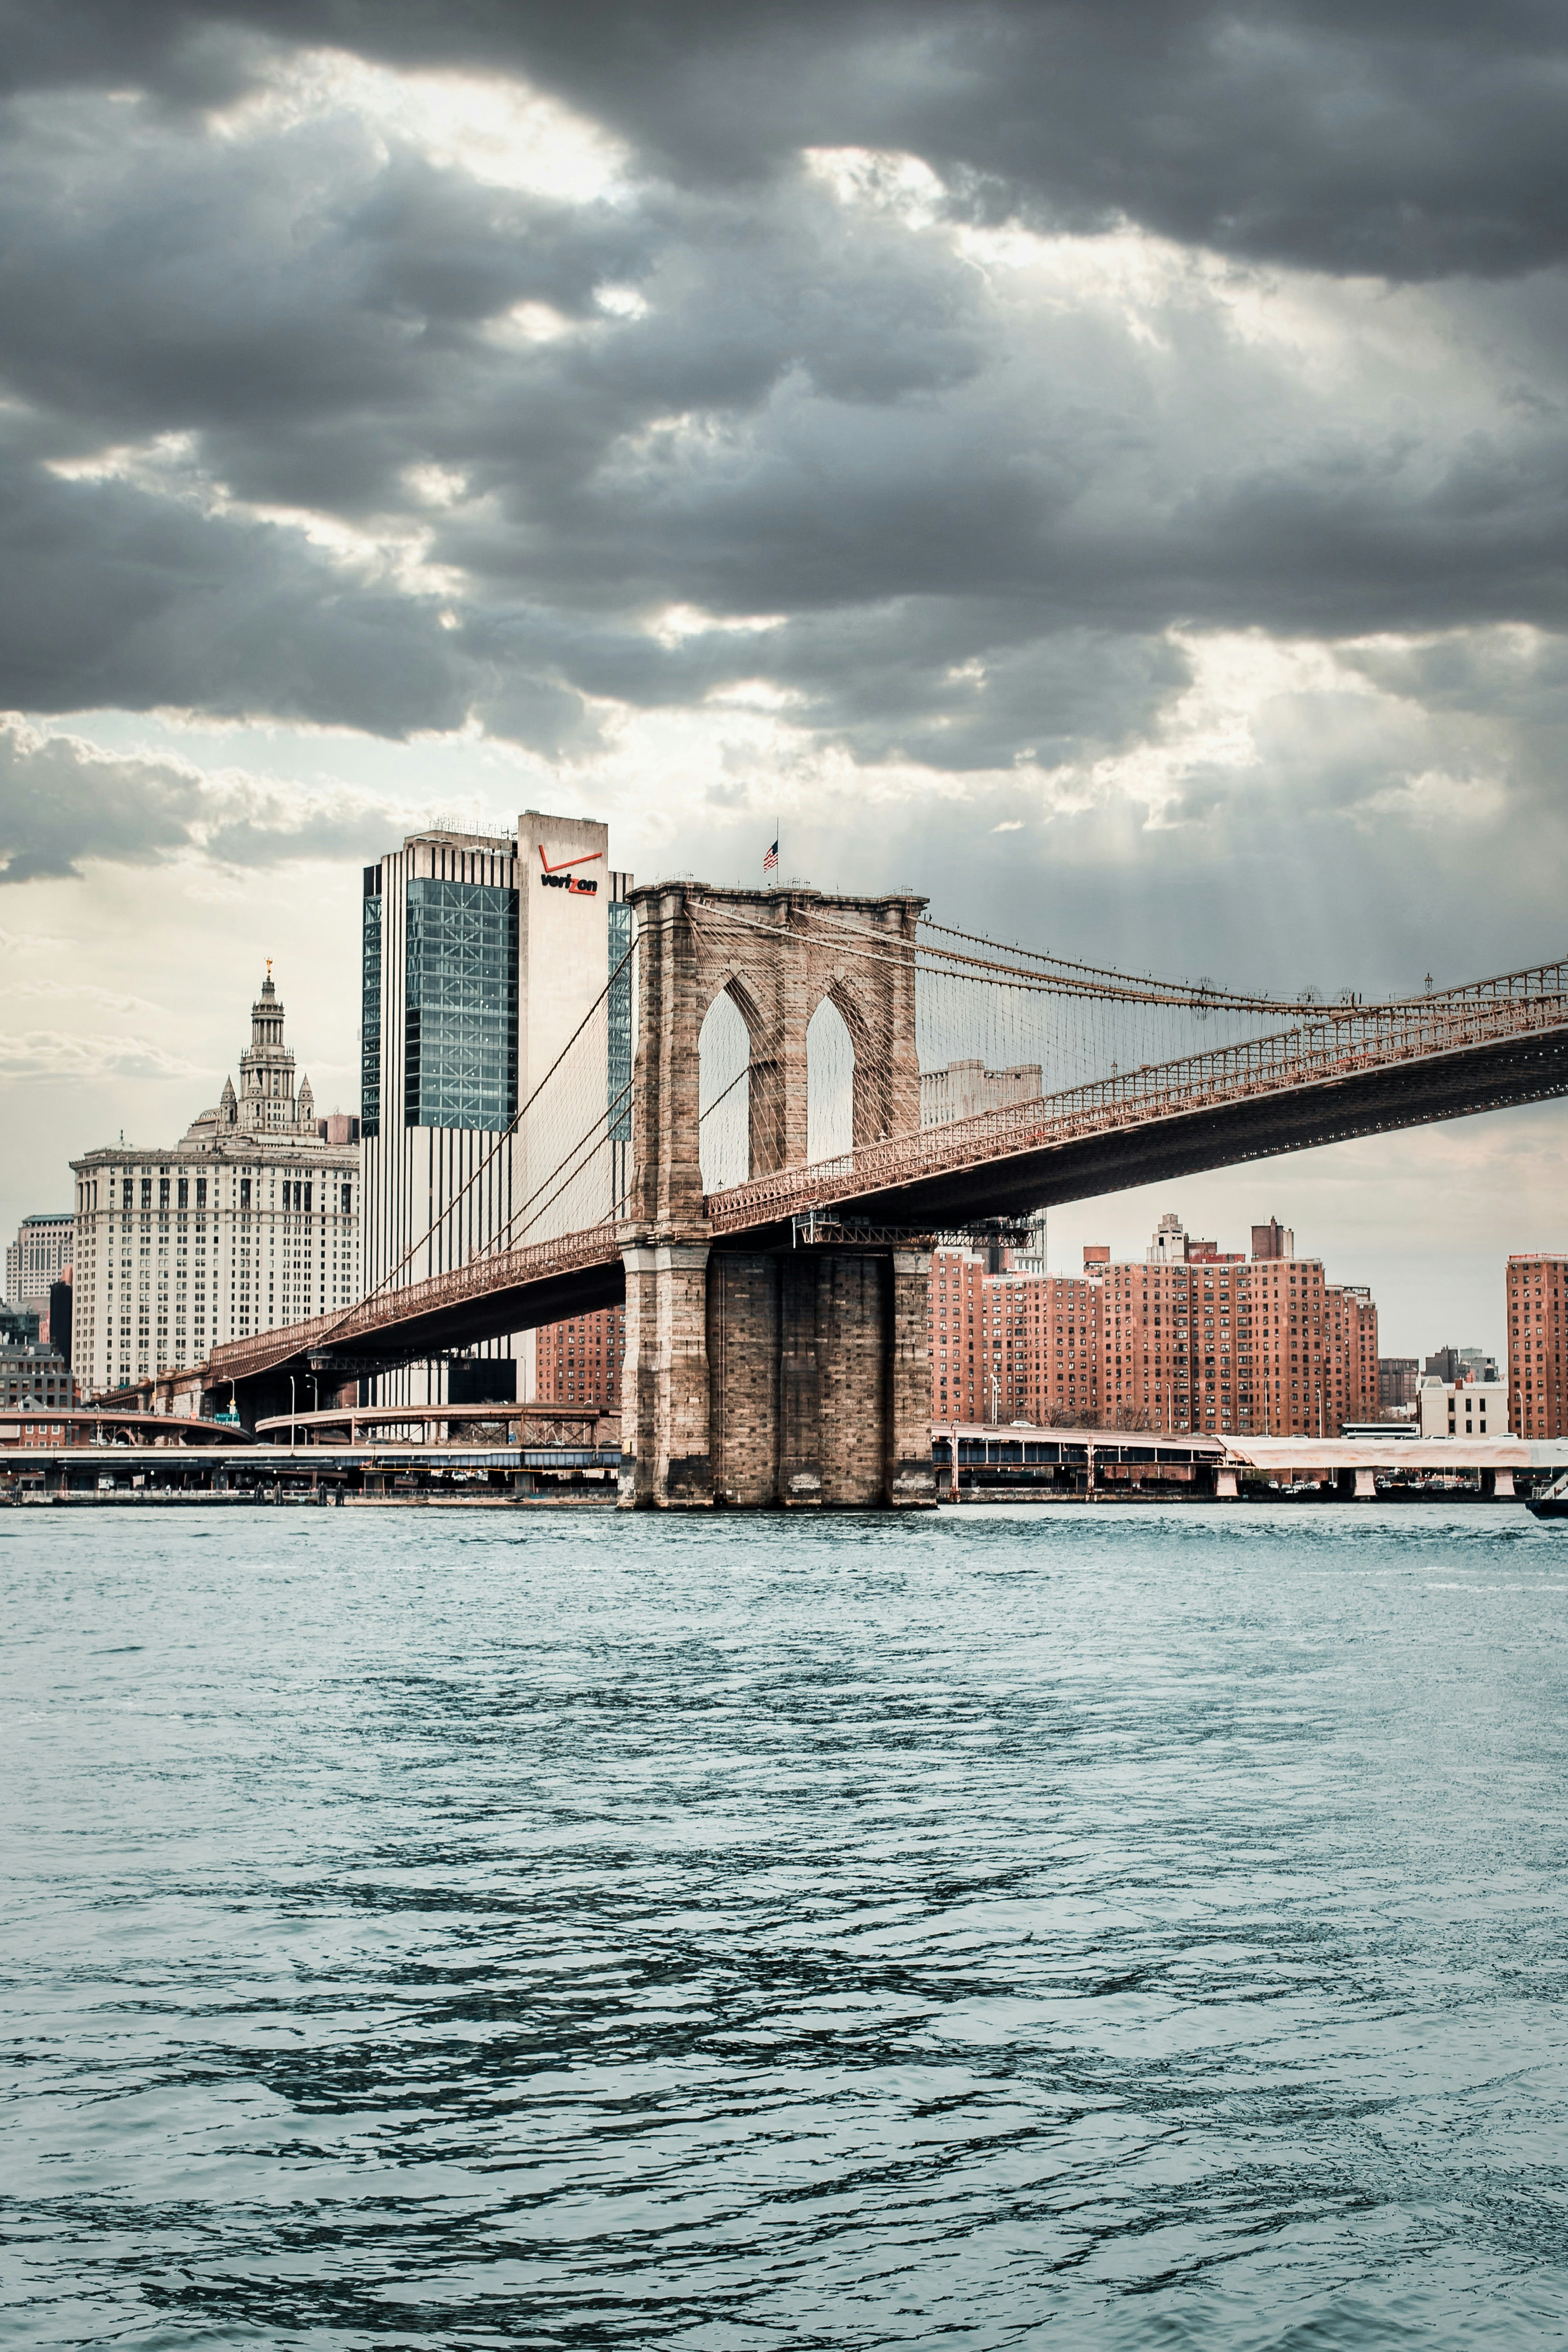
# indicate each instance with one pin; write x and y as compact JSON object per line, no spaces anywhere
{"x":267,"y":1071}
{"x":249,"y":1222}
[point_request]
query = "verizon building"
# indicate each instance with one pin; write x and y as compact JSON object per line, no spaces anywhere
{"x":483,"y":957}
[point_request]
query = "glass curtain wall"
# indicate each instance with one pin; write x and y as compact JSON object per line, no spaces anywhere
{"x":460,"y":1017}
{"x":370,"y":1006}
{"x":620,"y":1020}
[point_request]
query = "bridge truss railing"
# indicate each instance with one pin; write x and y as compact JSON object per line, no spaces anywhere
{"x":1336,"y":1041}
{"x":481,"y":1279}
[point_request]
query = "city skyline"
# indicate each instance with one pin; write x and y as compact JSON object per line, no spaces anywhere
{"x":799,"y":437}
{"x":1426,"y":1297}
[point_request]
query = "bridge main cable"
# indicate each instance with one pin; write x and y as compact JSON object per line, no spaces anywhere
{"x":1097,"y":982}
{"x":1105,"y":982}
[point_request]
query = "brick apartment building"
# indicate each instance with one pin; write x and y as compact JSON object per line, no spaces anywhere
{"x":1208,"y":1340}
{"x":579,"y":1361}
{"x":1200,"y":1341}
{"x":1537,"y":1284}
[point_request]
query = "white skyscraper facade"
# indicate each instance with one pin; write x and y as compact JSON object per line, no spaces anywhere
{"x":483,"y":957}
{"x":250,"y":1221}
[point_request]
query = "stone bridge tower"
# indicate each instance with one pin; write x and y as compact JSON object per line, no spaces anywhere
{"x":763,"y":1373}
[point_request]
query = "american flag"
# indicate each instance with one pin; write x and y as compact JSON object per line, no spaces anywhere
{"x":771,"y":859}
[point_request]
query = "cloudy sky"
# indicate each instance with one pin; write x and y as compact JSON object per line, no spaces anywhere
{"x":1104,"y":466}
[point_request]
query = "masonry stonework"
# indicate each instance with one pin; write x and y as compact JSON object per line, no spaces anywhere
{"x":770,"y":1377}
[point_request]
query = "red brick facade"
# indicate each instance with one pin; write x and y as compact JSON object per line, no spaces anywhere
{"x":579,"y":1361}
{"x":1537,"y":1310}
{"x":1266,"y":1347}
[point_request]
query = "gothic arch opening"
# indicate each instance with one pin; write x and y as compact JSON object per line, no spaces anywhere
{"x":723,"y":1095}
{"x":829,"y":1084}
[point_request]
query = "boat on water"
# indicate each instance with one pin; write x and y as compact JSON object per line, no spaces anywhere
{"x":1552,"y":1503}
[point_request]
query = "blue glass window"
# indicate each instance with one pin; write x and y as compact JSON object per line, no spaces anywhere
{"x":460,"y":1005}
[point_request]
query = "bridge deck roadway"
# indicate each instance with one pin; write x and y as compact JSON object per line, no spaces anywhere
{"x":1028,"y":1156}
{"x":1046,"y":1170}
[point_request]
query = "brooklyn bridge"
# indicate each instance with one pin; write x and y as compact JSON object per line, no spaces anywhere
{"x":774,"y":1251}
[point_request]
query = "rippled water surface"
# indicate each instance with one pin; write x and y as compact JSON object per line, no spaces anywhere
{"x":1094,"y":1927}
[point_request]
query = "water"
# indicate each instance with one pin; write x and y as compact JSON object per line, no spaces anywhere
{"x":1112,"y":1927}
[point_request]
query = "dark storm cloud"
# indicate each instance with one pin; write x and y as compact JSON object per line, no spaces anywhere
{"x":1383,"y":137}
{"x":109,"y":595}
{"x":306,"y":303}
{"x":971,"y":523}
{"x":970,"y":688}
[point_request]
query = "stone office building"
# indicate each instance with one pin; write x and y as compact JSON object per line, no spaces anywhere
{"x":32,"y":1376}
{"x":250,"y":1221}
{"x":38,"y":1257}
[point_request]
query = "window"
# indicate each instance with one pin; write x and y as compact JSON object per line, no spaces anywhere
{"x":201,"y":1191}
{"x":162,"y":1191}
{"x":308,"y":1190}
{"x":460,"y":1016}
{"x":244,"y":1192}
{"x":146,"y":1191}
{"x":348,"y":1192}
{"x":370,"y":1006}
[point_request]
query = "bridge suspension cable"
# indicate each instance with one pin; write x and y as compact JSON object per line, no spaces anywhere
{"x":503,"y":1239}
{"x":997,"y":1023}
{"x":1017,"y":1051}
{"x":1044,"y":974}
{"x":1059,"y":974}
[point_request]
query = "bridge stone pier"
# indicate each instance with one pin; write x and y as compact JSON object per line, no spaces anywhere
{"x":758,"y":1374}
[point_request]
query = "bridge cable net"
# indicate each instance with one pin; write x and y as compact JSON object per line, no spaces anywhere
{"x":1000,"y":1025}
{"x":551,"y":1186}
{"x":1014,"y":1047}
{"x":1014,"y":1038}
{"x":1082,"y":1026}
{"x":994,"y":1024}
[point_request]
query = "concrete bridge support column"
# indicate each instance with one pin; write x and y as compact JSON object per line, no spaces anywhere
{"x":781,"y":1379}
{"x":665,"y":1382}
{"x":909,"y":1475}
